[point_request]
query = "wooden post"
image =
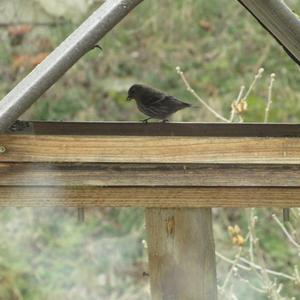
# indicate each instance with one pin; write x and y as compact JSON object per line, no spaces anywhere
{"x":181,"y":254}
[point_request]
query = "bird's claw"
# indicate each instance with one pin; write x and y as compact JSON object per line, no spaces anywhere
{"x":145,"y":121}
{"x":165,"y":121}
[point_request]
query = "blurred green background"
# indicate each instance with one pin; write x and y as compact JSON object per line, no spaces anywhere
{"x":44,"y":253}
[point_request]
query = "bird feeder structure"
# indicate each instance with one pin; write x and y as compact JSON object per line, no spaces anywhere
{"x":176,"y":171}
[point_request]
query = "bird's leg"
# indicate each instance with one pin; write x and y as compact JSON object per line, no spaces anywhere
{"x":146,"y":120}
{"x":165,"y":121}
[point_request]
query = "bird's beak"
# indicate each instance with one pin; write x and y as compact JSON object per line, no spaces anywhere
{"x":128,"y":98}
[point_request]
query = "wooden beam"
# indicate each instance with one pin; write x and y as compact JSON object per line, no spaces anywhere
{"x":149,"y":175}
{"x":181,"y":254}
{"x":156,"y":129}
{"x":160,"y":197}
{"x":67,"y":169}
{"x":148,"y":149}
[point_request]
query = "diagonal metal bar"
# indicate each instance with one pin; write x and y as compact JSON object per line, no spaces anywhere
{"x":62,"y":58}
{"x":277,"y":18}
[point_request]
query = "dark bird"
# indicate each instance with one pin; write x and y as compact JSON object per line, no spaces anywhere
{"x":154,"y":103}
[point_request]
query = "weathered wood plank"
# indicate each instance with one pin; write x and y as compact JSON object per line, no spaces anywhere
{"x":181,"y":254}
{"x":157,"y":129}
{"x":160,"y":197}
{"x":109,"y":174}
{"x":134,"y":149}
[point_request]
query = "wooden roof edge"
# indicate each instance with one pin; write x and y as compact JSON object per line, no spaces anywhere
{"x":156,"y":129}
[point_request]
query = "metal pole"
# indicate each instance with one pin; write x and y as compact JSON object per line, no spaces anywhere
{"x":62,"y":58}
{"x":279,"y":20}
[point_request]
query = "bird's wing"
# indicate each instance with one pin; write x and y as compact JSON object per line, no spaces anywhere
{"x":175,"y":102}
{"x":166,"y":105}
{"x":159,"y":98}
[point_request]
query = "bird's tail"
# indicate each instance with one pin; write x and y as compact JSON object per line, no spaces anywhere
{"x":191,"y":105}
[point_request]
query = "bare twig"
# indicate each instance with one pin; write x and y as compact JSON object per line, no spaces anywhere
{"x":273,"y":291}
{"x":252,"y":239}
{"x":236,"y":102}
{"x":240,"y":105}
{"x":288,"y":235}
{"x":217,"y":115}
{"x":262,"y":291}
{"x":256,"y":77}
{"x":230,"y":261}
{"x":253,"y":265}
{"x":272,"y":79}
{"x":296,"y":272}
{"x":279,"y":274}
{"x":232,"y":269}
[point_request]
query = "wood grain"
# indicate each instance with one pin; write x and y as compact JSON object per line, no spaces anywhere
{"x":181,"y":254}
{"x":160,"y":197}
{"x":114,"y":174}
{"x":145,"y":149}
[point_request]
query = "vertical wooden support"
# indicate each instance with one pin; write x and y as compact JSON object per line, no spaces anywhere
{"x":181,"y":254}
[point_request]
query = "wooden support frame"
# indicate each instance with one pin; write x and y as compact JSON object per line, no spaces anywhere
{"x":178,"y":172}
{"x":105,"y":164}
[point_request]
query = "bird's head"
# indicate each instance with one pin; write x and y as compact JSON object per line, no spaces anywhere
{"x":134,"y":92}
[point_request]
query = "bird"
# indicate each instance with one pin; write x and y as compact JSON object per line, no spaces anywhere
{"x":154,"y":103}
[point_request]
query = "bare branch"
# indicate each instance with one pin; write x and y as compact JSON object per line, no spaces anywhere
{"x":256,"y":77}
{"x":233,"y":105}
{"x":217,"y":115}
{"x":269,"y":103}
{"x":290,"y":238}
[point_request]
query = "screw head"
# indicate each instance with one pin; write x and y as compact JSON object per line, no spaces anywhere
{"x":2,"y":149}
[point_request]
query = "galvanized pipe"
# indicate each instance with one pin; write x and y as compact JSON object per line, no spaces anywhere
{"x":62,"y":58}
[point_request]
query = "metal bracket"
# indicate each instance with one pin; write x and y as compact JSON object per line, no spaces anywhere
{"x":19,"y":126}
